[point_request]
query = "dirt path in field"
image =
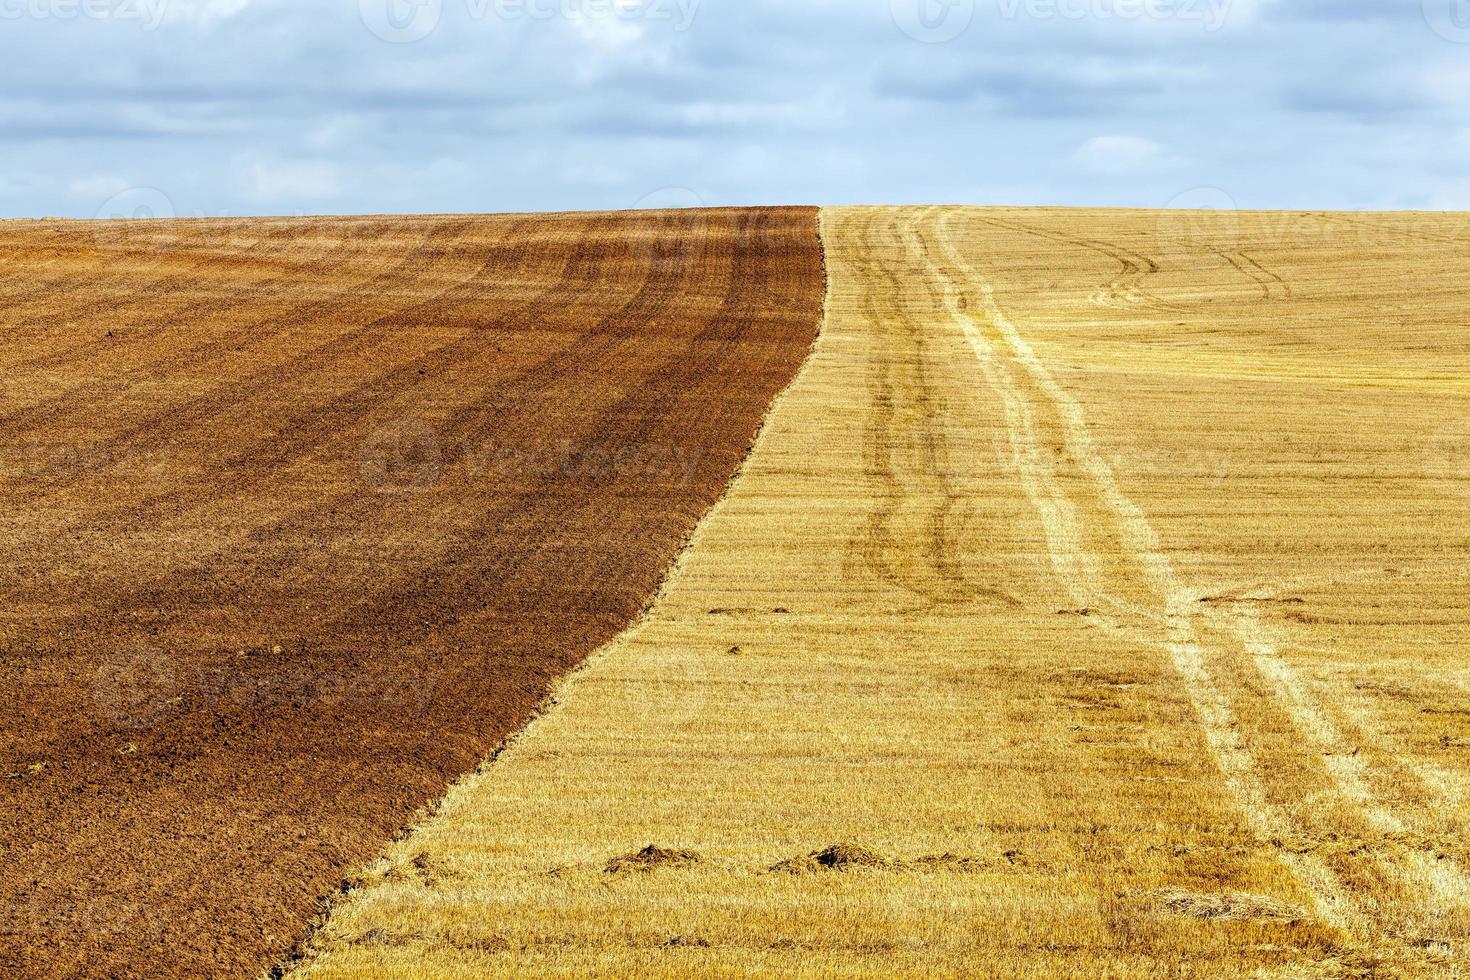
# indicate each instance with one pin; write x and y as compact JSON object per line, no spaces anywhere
{"x":1072,"y":616}
{"x":1171,"y":607}
{"x":1154,"y":607}
{"x":302,"y":517}
{"x":1405,"y":867}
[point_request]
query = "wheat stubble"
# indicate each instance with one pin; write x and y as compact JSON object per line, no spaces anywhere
{"x":1092,"y":604}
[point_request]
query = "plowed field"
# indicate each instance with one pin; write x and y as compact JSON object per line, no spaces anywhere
{"x":1095,"y":603}
{"x":300,"y":518}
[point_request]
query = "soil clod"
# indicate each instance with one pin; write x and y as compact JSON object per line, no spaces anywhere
{"x":652,"y":858}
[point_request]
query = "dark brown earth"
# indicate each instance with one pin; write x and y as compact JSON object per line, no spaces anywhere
{"x":301,"y":518}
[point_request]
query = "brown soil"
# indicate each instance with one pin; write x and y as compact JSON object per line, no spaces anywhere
{"x":838,"y":857}
{"x":653,"y":857}
{"x":301,"y":518}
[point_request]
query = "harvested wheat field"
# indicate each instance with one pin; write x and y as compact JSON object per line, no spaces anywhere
{"x":1095,"y":602}
{"x":301,"y":518}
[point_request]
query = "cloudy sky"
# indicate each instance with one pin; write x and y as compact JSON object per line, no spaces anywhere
{"x":224,"y":107}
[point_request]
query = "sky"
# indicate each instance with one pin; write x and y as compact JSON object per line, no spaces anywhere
{"x":240,"y":107}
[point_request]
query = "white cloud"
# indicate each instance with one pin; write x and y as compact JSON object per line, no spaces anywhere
{"x":203,"y":13}
{"x":293,"y":181}
{"x":742,"y":114}
{"x":1117,"y":154}
{"x":97,"y":187}
{"x":595,"y":173}
{"x":605,"y":28}
{"x":1446,"y":83}
{"x":334,"y":134}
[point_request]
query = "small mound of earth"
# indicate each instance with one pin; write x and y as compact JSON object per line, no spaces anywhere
{"x":1228,"y":907}
{"x":838,"y":857}
{"x":652,"y":857}
{"x":687,"y":942}
{"x":949,"y":862}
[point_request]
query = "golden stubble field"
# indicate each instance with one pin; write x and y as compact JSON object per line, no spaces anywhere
{"x":1094,"y":603}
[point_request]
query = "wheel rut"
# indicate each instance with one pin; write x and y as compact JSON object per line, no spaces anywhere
{"x":1209,"y":645}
